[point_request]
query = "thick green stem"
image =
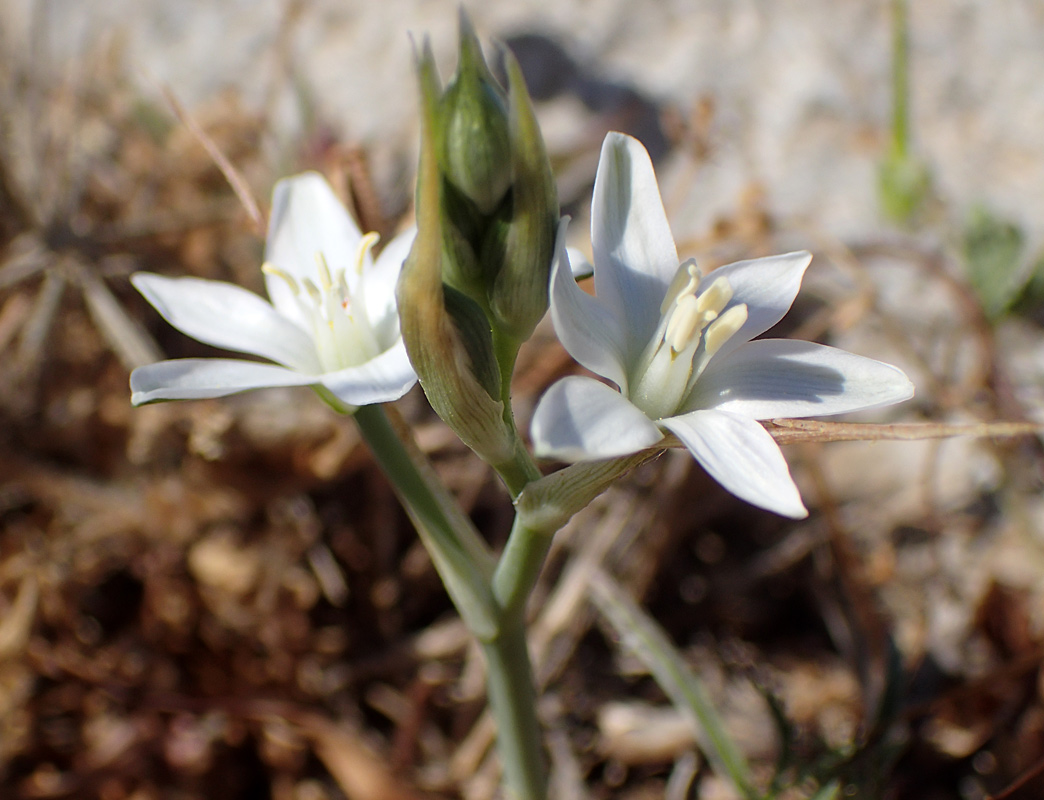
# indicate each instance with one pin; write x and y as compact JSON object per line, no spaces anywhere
{"x":462,"y":558}
{"x":466,"y":567}
{"x":520,"y":470}
{"x":513,"y":701}
{"x":519,"y":567}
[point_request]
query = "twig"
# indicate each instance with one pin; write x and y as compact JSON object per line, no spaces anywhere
{"x":789,"y":431}
{"x":232,"y":175}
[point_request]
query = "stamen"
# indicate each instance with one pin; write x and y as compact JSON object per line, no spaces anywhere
{"x":685,"y":281}
{"x":324,"y":271}
{"x":724,"y":328}
{"x":365,"y":246}
{"x":313,"y":292}
{"x":686,"y":322}
{"x":716,"y":297}
{"x":271,"y":269}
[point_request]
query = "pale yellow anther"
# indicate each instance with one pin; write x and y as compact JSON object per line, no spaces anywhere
{"x":716,"y":297}
{"x":365,"y":246}
{"x":684,"y":282}
{"x":271,"y":269}
{"x":724,"y":328}
{"x":313,"y":291}
{"x":685,"y":323}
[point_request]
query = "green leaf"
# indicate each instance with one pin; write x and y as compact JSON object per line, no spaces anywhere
{"x":993,"y":258}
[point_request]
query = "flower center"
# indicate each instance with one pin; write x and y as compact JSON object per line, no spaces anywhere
{"x":343,"y":332}
{"x":693,"y":327}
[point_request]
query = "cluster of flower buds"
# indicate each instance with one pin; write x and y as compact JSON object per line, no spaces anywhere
{"x":476,"y":282}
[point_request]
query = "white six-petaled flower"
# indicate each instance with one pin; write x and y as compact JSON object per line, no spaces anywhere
{"x":678,"y":345}
{"x":331,"y":320}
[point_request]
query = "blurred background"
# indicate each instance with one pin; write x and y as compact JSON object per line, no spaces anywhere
{"x":222,"y":598}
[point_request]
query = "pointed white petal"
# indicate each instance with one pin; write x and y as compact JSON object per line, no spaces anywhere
{"x":580,"y":419}
{"x":380,"y":283}
{"x":771,"y":378}
{"x":198,"y":378}
{"x":740,"y":455}
{"x":767,"y":286}
{"x":634,"y":254}
{"x":230,"y":317}
{"x":578,"y":264}
{"x":380,"y":380}
{"x":306,"y":218}
{"x":585,"y":326}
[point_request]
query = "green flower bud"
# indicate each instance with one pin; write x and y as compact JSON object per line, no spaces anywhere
{"x":519,"y":294}
{"x":474,"y":134}
{"x":447,"y":335}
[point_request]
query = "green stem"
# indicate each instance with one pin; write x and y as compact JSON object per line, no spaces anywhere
{"x":466,"y":567}
{"x":900,"y":78}
{"x":520,"y":470}
{"x":540,"y":511}
{"x":520,"y":566}
{"x":459,"y":553}
{"x":513,"y":702}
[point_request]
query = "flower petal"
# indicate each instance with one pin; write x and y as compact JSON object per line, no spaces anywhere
{"x":578,"y":264}
{"x":306,"y":219}
{"x":634,"y":253}
{"x":786,"y":378}
{"x":585,"y":326}
{"x":740,"y":455}
{"x":382,"y":379}
{"x":580,"y":419}
{"x":230,"y":317}
{"x":197,"y":378}
{"x":381,"y":280}
{"x":767,"y":286}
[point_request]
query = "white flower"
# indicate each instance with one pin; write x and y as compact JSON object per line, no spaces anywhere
{"x":332,"y":320}
{"x":678,"y":345}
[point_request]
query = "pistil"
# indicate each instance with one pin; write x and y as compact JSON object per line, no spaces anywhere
{"x":693,"y":327}
{"x":340,"y":326}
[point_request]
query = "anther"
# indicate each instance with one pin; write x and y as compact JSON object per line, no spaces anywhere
{"x":724,"y":328}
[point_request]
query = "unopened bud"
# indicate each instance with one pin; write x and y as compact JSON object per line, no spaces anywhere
{"x":446,"y":333}
{"x":519,"y":295}
{"x":476,"y":149}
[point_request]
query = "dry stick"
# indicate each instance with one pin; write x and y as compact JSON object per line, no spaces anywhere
{"x":789,"y":431}
{"x":232,"y":175}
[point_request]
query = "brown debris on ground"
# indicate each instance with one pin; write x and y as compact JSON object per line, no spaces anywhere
{"x":223,"y":599}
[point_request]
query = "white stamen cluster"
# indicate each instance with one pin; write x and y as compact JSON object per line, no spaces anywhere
{"x":343,"y":332}
{"x":693,"y":327}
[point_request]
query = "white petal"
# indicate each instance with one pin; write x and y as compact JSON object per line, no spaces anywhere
{"x":580,"y":419}
{"x":585,"y":326}
{"x":634,"y":254}
{"x":578,"y":263}
{"x":230,"y":317}
{"x":740,"y":455}
{"x":380,"y":283}
{"x":767,"y":286}
{"x":786,"y":378}
{"x":380,"y":380}
{"x":197,"y":378}
{"x":306,"y":218}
